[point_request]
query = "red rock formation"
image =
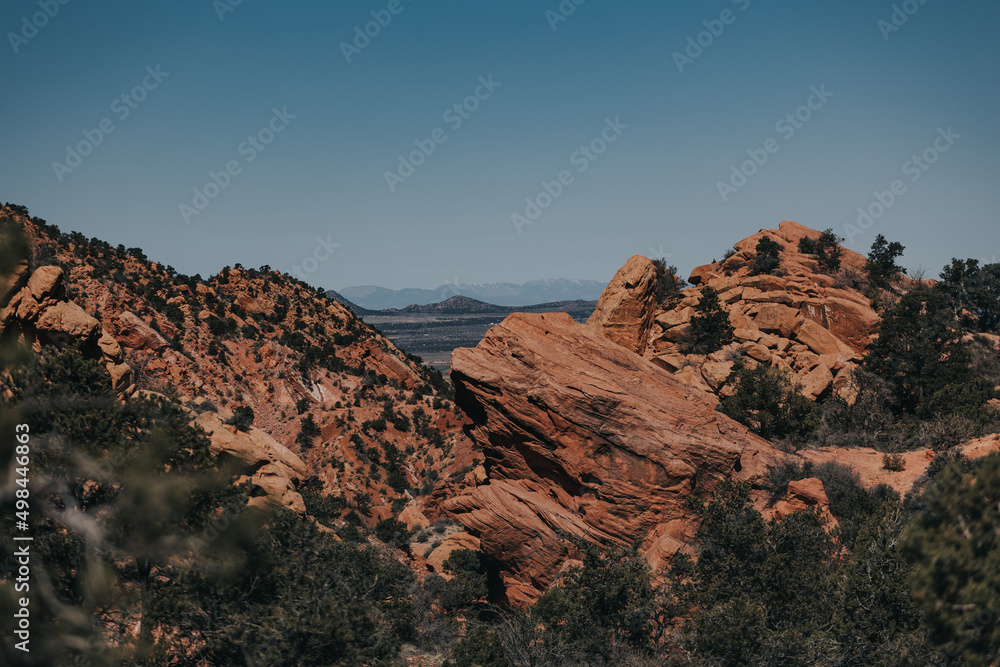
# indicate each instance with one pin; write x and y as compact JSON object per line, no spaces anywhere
{"x":803,"y":494}
{"x":583,"y":437}
{"x":40,"y":314}
{"x":802,"y":320}
{"x":154,"y":328}
{"x":625,"y":311}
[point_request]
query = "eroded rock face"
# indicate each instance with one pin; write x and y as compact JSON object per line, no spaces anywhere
{"x":39,"y":313}
{"x":273,"y":470}
{"x":802,"y":321}
{"x":584,"y":437}
{"x":804,"y":494}
{"x":625,"y":311}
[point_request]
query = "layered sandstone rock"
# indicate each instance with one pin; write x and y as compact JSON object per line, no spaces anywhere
{"x":802,"y":320}
{"x":804,"y":494}
{"x":585,"y":438}
{"x":39,"y":313}
{"x":625,"y":311}
{"x":274,"y":471}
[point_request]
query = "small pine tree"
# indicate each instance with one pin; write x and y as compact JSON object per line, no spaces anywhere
{"x":309,"y":430}
{"x":765,"y":400}
{"x":710,"y":327}
{"x":242,"y":418}
{"x":881,"y":266}
{"x":767,"y":259}
{"x":826,"y":248}
{"x":668,"y":283}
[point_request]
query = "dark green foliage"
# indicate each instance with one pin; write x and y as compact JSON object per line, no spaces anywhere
{"x":920,"y":354}
{"x":297,"y":597}
{"x":128,"y":490}
{"x":668,"y":283}
{"x":401,"y":423}
{"x":850,"y":502}
{"x":710,"y":329}
{"x":242,"y":418}
{"x":393,"y":532}
{"x":174,"y":313}
{"x":867,"y":422}
{"x":324,"y":509}
{"x":482,"y":648}
{"x":826,"y":248}
{"x":975,"y":292}
{"x":765,"y":401}
{"x":783,"y":593}
{"x":881,"y":266}
{"x":309,"y":430}
{"x":767,"y":259}
{"x":772,"y":583}
{"x":954,"y":549}
{"x":879,"y":623}
{"x":302,"y":405}
{"x":471,"y":582}
{"x":221,"y":327}
{"x":602,"y":607}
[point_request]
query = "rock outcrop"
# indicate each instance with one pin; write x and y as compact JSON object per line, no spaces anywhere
{"x":585,"y":438}
{"x":624,"y":312}
{"x":274,"y":471}
{"x":803,"y":320}
{"x":803,"y":494}
{"x":39,"y":313}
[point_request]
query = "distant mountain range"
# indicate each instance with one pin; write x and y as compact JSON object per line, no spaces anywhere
{"x":371,"y":297}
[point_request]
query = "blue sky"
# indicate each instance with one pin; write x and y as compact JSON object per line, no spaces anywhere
{"x":316,"y":200}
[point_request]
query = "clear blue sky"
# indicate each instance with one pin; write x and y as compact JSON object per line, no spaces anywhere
{"x":654,"y":190}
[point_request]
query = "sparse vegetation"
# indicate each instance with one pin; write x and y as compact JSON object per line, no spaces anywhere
{"x":710,"y":329}
{"x":765,"y":400}
{"x":766,"y":259}
{"x":881,"y":267}
{"x":826,"y":249}
{"x":668,"y":283}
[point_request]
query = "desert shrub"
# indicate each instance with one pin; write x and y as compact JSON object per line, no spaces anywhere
{"x":668,"y":283}
{"x":242,"y":418}
{"x":893,"y":462}
{"x":174,"y":313}
{"x":302,"y":405}
{"x":881,"y":267}
{"x":309,"y":430}
{"x":826,"y":248}
{"x":778,"y":600}
{"x":603,"y":606}
{"x":481,"y":648}
{"x":324,"y":509}
{"x":767,"y":259}
{"x":710,"y":329}
{"x":953,"y":548}
{"x":975,"y":292}
{"x":944,"y":432}
{"x":393,"y":532}
{"x":765,"y":400}
{"x":868,"y":421}
{"x":920,"y":353}
{"x":785,"y":593}
{"x":470,"y":584}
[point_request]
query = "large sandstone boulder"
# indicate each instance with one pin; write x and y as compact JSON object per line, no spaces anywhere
{"x":798,"y":320}
{"x":624,"y":312}
{"x":134,"y":333}
{"x":273,"y":470}
{"x":586,"y":438}
{"x":804,"y":494}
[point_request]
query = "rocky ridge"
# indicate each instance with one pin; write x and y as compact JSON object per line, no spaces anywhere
{"x":804,"y":321}
{"x":253,"y":338}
